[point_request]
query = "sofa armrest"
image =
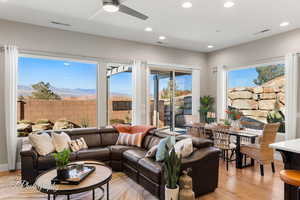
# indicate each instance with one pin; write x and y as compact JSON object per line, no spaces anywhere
{"x":29,"y":159}
{"x":27,"y":149}
{"x":204,"y":163}
{"x":197,"y":141}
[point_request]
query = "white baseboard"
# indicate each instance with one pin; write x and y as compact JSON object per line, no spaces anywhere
{"x":4,"y":167}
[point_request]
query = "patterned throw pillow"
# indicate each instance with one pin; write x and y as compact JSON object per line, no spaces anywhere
{"x":151,"y":152}
{"x":130,"y":139}
{"x":78,"y":144}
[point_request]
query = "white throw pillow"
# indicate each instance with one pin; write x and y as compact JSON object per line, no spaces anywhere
{"x":184,"y":148}
{"x":151,"y":152}
{"x":42,"y":143}
{"x":61,"y":141}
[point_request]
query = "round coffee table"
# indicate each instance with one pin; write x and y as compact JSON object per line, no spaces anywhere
{"x":101,"y":176}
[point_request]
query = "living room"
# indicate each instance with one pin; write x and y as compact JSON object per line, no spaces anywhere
{"x":123,"y":81}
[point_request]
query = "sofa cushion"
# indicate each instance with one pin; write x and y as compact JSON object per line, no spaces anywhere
{"x":109,"y":138}
{"x":116,"y":151}
{"x":149,"y":141}
{"x":97,"y":153}
{"x":91,"y":139}
{"x":46,"y":162}
{"x":133,"y":155}
{"x":151,"y":169}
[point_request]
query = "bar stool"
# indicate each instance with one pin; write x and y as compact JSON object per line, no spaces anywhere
{"x":291,"y":177}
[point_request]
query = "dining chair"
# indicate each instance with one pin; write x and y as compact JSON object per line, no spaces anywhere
{"x":261,"y":152}
{"x":198,"y":130}
{"x":222,"y":140}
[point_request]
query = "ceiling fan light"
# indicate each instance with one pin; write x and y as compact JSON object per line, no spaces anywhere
{"x":109,"y":7}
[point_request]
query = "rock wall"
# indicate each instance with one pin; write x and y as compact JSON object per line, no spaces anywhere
{"x":256,"y":102}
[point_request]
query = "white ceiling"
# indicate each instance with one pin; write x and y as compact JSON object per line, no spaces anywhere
{"x":192,"y":29}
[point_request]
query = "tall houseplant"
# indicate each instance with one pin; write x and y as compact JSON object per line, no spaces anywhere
{"x":206,"y":106}
{"x":62,"y":160}
{"x":172,"y":165}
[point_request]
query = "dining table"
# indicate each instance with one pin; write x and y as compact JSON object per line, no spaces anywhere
{"x":247,"y":134}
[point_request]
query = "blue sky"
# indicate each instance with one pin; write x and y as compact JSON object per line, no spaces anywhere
{"x":73,"y":75}
{"x":242,"y":78}
{"x":60,"y":74}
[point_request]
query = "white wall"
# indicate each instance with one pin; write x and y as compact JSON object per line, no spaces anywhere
{"x":37,"y":38}
{"x":260,"y":51}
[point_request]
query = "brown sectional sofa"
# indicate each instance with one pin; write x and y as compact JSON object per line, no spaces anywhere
{"x":204,"y":161}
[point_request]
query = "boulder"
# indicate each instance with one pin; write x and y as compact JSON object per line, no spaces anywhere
{"x":255,"y":113}
{"x":266,"y":104}
{"x":271,"y":89}
{"x":242,"y":89}
{"x":268,"y":96}
{"x":41,"y":127}
{"x":240,"y":95}
{"x":24,"y":127}
{"x":246,"y":104}
{"x":258,"y":90}
{"x":59,"y":125}
{"x":281,"y":97}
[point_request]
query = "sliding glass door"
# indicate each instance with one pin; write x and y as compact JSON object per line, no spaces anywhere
{"x":170,"y":99}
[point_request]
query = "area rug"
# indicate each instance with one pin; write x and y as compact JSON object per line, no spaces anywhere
{"x":121,"y":188}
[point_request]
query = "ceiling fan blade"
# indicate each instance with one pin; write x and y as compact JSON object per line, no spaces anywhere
{"x":95,"y":14}
{"x":134,"y":13}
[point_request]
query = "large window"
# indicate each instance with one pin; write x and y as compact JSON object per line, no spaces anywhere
{"x":119,"y":78}
{"x":258,"y":92}
{"x":170,"y":99}
{"x":55,"y":94}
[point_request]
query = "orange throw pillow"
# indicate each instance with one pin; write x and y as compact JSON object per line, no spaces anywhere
{"x":121,"y":128}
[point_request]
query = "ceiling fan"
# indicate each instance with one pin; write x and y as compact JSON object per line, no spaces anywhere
{"x":115,"y":6}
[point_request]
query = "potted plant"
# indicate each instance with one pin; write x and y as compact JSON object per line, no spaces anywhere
{"x":234,"y":115}
{"x":206,"y":106}
{"x":172,"y":165}
{"x":62,"y":161}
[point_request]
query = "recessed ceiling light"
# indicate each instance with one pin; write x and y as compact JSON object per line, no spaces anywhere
{"x":210,"y":46}
{"x":187,"y":4}
{"x":228,"y":4}
{"x":283,"y":24}
{"x":148,"y":29}
{"x":162,"y":37}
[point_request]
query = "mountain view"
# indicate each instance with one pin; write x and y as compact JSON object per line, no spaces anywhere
{"x":66,"y":93}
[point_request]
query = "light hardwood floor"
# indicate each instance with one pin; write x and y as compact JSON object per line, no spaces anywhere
{"x":245,"y":184}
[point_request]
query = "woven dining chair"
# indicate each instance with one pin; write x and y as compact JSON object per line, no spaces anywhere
{"x":222,"y":140}
{"x":198,"y":130}
{"x":261,"y":152}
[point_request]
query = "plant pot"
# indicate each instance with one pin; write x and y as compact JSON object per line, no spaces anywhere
{"x":62,"y":173}
{"x":235,"y":124}
{"x":171,"y":194}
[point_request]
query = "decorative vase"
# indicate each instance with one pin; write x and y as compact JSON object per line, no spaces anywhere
{"x":62,"y":173}
{"x":235,"y":124}
{"x":186,"y":187}
{"x":171,"y":194}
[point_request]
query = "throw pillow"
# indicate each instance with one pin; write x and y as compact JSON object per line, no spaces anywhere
{"x":151,"y":152}
{"x":61,"y":141}
{"x":74,"y":146}
{"x":130,"y":139}
{"x":184,"y":148}
{"x":81,"y":143}
{"x":161,"y":149}
{"x":42,"y":143}
{"x":78,"y":144}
